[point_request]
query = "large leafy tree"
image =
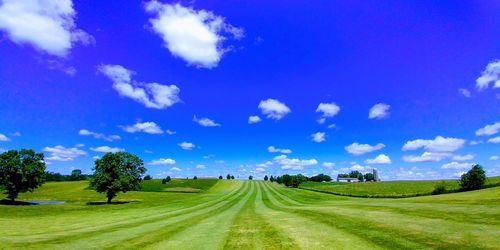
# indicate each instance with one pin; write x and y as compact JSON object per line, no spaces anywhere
{"x":117,"y":172}
{"x":474,"y":179}
{"x":21,"y":171}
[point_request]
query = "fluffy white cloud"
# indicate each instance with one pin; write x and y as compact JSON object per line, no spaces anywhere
{"x":4,"y":138}
{"x":162,"y":161}
{"x":274,"y":109}
{"x":60,"y":153}
{"x":186,"y":145}
{"x":170,"y":132}
{"x":254,"y":119}
{"x":426,"y":156}
{"x":319,"y":137}
{"x":273,"y":149}
{"x":456,"y":165}
{"x":491,"y":75}
{"x":96,"y":135}
{"x":205,"y":122}
{"x":465,"y":92}
{"x":494,"y":158}
{"x":146,"y":127}
{"x":200,"y":166}
{"x":48,"y":25}
{"x":495,"y":140}
{"x":327,"y":164}
{"x":466,"y":157}
{"x":196,"y":36}
{"x":151,"y":95}
{"x":260,"y":170}
{"x":439,"y":144}
{"x":380,"y":159}
{"x":106,"y":149}
{"x":176,"y":169}
{"x":328,"y":109}
{"x":379,"y":111}
{"x":331,"y":126}
{"x":293,"y":164}
{"x":475,"y":142}
{"x":359,"y":149}
{"x":489,"y":129}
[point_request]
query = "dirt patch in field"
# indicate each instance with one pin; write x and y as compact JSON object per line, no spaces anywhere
{"x":182,"y":190}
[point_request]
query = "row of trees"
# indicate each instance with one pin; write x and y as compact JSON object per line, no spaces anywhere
{"x":356,"y":174}
{"x":76,"y":175}
{"x":228,"y":177}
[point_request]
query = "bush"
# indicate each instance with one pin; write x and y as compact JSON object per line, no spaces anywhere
{"x":440,"y":188}
{"x":474,"y":179}
{"x":220,"y":177}
{"x":250,"y":177}
{"x":195,"y":178}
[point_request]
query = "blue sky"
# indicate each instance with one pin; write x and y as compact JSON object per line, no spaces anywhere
{"x":254,"y":87}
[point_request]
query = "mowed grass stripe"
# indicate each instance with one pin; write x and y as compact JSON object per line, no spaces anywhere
{"x":91,"y":237}
{"x":152,"y":233}
{"x":305,"y":232}
{"x":89,"y":223}
{"x":252,"y":231}
{"x":402,"y":231}
{"x":207,"y":225}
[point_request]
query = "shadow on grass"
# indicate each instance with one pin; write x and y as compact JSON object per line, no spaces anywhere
{"x":97,"y":203}
{"x":15,"y":203}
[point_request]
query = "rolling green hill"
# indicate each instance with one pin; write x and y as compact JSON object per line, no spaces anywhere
{"x":387,"y":189}
{"x":249,"y":215}
{"x":178,"y":185}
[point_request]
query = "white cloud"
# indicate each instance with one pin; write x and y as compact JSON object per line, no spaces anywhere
{"x":16,"y":134}
{"x":274,"y":109}
{"x":162,"y":161}
{"x":273,"y":149}
{"x":48,"y":25}
{"x":466,"y":157}
{"x":200,"y":166}
{"x":254,"y":119}
{"x":205,"y":122}
{"x":465,"y":92}
{"x":4,"y":138}
{"x":260,"y":170}
{"x":359,"y":149}
{"x":321,"y":120}
{"x":146,"y":127}
{"x":489,"y":129}
{"x":328,"y":110}
{"x":495,"y":140}
{"x":380,"y":159}
{"x":106,"y":149}
{"x":491,"y":75}
{"x":151,"y":95}
{"x":456,"y":165}
{"x":186,"y":145}
{"x":494,"y":158}
{"x":293,"y":164}
{"x":170,"y":132}
{"x":220,"y":161}
{"x":319,"y":137}
{"x":426,"y":157}
{"x":176,"y":169}
{"x":379,"y":111}
{"x":327,"y":164}
{"x":332,"y":126}
{"x":196,"y":36}
{"x":60,"y":153}
{"x":475,"y":142}
{"x":96,"y":135}
{"x":439,"y":144}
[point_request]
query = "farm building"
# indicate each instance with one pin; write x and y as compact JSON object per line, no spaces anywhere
{"x":340,"y":179}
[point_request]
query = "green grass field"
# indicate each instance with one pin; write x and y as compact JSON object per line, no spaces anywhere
{"x":178,"y":185}
{"x":387,"y":189}
{"x":249,"y":215}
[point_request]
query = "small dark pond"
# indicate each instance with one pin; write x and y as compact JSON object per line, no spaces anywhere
{"x":45,"y":202}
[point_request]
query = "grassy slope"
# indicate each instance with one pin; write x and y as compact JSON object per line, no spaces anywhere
{"x":178,"y":185}
{"x":387,"y":189}
{"x":251,"y":215}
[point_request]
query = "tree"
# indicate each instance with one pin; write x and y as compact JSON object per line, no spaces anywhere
{"x":195,"y":178}
{"x":474,"y":179}
{"x":271,"y":179}
{"x":369,"y":177}
{"x":117,"y":172}
{"x":228,"y":176}
{"x":165,"y":180}
{"x":21,"y":171}
{"x":250,"y":177}
{"x":356,"y":174}
{"x":220,"y":177}
{"x":76,"y":175}
{"x":279,"y":179}
{"x":232,"y":177}
{"x":266,"y":178}
{"x":320,"y":178}
{"x":148,"y":177}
